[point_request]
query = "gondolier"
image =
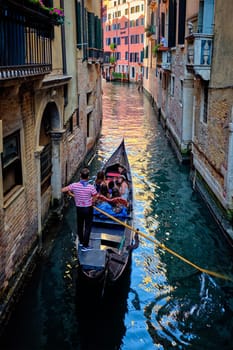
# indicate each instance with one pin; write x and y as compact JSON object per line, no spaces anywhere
{"x":83,"y":193}
{"x":112,"y":241}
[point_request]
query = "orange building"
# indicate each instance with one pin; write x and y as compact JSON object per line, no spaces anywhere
{"x":123,"y":34}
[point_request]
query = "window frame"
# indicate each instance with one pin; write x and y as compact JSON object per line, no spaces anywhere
{"x":13,"y":165}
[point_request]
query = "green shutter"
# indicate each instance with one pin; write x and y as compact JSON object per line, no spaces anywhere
{"x":91,"y":30}
{"x":79,"y":25}
{"x":141,"y":56}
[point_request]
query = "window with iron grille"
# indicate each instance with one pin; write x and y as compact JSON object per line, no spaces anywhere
{"x":11,"y":163}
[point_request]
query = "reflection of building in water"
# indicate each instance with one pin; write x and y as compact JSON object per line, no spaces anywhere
{"x":189,"y":78}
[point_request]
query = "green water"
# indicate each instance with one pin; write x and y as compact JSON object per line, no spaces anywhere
{"x":163,"y":303}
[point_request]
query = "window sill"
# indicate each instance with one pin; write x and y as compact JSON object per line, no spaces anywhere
{"x":12,"y":195}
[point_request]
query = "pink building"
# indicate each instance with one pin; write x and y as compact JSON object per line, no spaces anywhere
{"x":123,"y":35}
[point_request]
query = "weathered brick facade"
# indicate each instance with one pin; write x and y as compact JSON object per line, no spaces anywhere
{"x":192,"y":90}
{"x":49,"y":123}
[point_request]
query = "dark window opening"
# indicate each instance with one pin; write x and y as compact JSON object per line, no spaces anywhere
{"x":11,"y":162}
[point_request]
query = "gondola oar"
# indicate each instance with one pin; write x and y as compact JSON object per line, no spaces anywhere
{"x":161,"y":245}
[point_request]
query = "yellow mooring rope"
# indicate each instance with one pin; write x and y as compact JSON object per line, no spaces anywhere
{"x":161,"y":245}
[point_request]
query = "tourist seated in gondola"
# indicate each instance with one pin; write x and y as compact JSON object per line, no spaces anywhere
{"x":111,"y":185}
{"x":103,"y":194}
{"x":115,"y":206}
{"x":123,"y":187}
{"x":122,"y":171}
{"x":100,"y":179}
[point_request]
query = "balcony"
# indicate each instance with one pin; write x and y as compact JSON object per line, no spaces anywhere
{"x":164,"y":57}
{"x":25,"y":41}
{"x":199,"y":54}
{"x":95,"y":55}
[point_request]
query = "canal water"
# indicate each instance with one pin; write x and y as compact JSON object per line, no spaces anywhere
{"x":163,"y":302}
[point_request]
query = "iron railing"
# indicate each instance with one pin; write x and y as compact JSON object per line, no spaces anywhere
{"x":25,"y":42}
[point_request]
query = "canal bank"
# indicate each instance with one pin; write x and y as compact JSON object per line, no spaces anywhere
{"x":222,"y":217}
{"x":166,"y":303}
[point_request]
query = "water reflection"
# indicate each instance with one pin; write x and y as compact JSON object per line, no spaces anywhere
{"x":101,"y":320}
{"x":164,"y":304}
{"x":180,"y":305}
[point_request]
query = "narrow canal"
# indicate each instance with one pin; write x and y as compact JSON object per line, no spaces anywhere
{"x":163,"y":303}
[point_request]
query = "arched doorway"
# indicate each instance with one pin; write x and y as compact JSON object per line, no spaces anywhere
{"x":50,"y":163}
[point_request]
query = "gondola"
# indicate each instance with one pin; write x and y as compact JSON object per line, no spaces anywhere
{"x":111,"y":241}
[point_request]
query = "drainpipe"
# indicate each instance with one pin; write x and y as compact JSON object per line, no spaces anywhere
{"x":64,"y":63}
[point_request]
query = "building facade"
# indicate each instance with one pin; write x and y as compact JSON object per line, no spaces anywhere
{"x":188,"y":75}
{"x":51,"y":113}
{"x":123,"y":32}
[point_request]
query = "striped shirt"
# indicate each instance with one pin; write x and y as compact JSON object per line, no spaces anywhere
{"x":82,"y":194}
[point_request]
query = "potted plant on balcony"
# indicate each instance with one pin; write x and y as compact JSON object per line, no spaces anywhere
{"x":56,"y":14}
{"x":112,"y":46}
{"x":112,"y":59}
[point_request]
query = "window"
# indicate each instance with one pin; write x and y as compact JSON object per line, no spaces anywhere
{"x":89,"y":98}
{"x":172,"y":85}
{"x":12,"y":167}
{"x":132,"y":23}
{"x":204,"y":102}
{"x":134,"y":57}
{"x":181,"y":92}
{"x":70,"y":125}
{"x":133,"y":72}
{"x":164,"y":81}
{"x":88,"y":124}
